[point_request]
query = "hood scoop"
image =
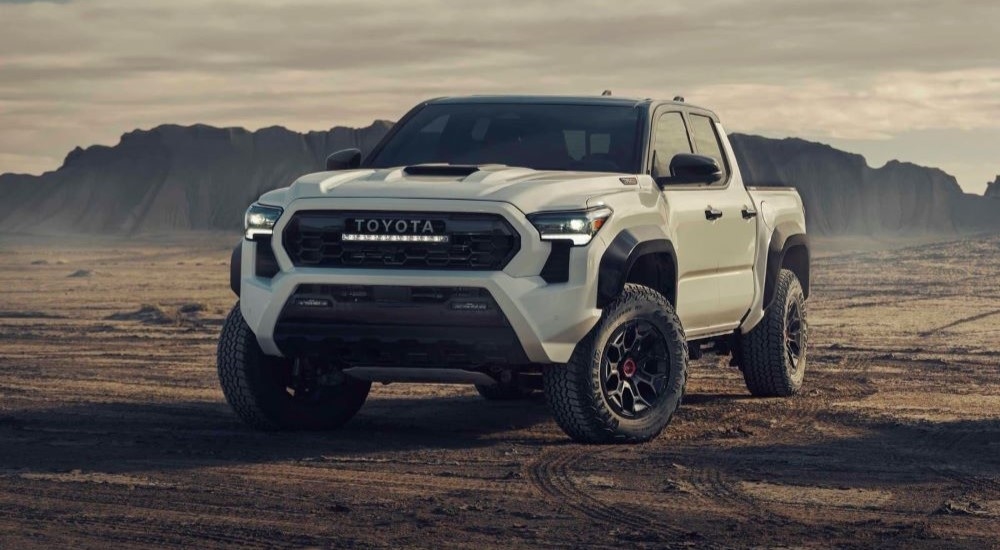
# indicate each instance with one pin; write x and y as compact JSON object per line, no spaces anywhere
{"x":441,"y":169}
{"x":453,"y":169}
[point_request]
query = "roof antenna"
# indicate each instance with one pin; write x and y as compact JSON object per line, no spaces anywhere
{"x":679,"y":98}
{"x":606,"y":93}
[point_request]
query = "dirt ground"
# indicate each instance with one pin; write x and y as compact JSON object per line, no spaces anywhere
{"x":113,"y":430}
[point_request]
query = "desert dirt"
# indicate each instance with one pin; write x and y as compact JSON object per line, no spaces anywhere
{"x":114,"y":432}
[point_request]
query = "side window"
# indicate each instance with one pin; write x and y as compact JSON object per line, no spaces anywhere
{"x":670,"y":138}
{"x":707,"y":141}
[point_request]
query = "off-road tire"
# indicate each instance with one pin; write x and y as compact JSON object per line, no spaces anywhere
{"x":501,"y":391}
{"x":574,"y":391}
{"x":767,"y":367}
{"x":254,"y":385}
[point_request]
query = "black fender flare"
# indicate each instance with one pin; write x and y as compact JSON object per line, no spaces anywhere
{"x":784,"y":238}
{"x":626,"y":248}
{"x":236,"y":268}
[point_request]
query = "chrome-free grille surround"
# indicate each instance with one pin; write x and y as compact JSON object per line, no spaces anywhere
{"x":477,"y":241}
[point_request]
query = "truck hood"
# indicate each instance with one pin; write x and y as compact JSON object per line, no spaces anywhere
{"x":527,"y":189}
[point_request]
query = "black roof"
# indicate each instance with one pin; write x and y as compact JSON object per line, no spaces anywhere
{"x":561,"y":100}
{"x":544,"y":99}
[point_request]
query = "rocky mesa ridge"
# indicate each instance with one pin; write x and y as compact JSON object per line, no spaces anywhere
{"x":170,"y":178}
{"x":175,"y":178}
{"x":993,"y":189}
{"x":845,"y":196}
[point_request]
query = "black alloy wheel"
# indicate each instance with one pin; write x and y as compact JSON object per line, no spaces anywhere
{"x":635,"y":368}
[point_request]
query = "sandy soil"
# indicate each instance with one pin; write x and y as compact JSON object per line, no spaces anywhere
{"x":113,"y":431}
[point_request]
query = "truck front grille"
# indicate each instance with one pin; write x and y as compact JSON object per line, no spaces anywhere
{"x":474,"y":241}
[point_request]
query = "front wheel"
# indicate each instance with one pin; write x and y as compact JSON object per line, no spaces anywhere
{"x":626,"y":379}
{"x":273,"y":393}
{"x":774,"y":352}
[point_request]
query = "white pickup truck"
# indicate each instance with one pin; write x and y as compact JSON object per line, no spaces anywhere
{"x":586,"y":246}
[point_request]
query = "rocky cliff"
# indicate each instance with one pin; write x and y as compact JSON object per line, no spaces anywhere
{"x":169,"y":178}
{"x":845,"y":196}
{"x":993,"y":189}
{"x":199,"y":177}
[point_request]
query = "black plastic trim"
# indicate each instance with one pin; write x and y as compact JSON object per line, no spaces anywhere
{"x":441,"y":170}
{"x":625,"y":250}
{"x":416,"y":347}
{"x":265,"y":262}
{"x":556,"y":269}
{"x":459,"y":327}
{"x":785,"y":237}
{"x":236,"y":268}
{"x":401,"y":306}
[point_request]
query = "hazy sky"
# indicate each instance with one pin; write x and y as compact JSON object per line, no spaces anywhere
{"x":917,"y":80}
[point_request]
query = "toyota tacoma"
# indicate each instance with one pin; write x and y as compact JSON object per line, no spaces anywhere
{"x":584,"y":246}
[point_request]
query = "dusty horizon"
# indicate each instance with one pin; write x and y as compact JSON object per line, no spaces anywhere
{"x":909,"y":79}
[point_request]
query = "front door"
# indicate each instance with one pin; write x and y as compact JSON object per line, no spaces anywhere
{"x":695,"y":236}
{"x":736,"y":228}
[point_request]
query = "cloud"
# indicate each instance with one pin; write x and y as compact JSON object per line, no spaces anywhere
{"x":877,"y":108}
{"x":85,"y":72}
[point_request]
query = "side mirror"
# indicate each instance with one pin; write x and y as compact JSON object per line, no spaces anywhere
{"x":345,"y":159}
{"x":688,"y":168}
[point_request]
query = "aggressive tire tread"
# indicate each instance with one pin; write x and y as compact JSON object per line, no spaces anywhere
{"x":573,"y":391}
{"x":232,"y":357}
{"x":767,"y":370}
{"x":255,"y":388}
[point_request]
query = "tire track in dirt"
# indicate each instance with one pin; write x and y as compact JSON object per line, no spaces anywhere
{"x":854,"y":383}
{"x":551,"y":476}
{"x":960,"y":322}
{"x":723,"y":491}
{"x":399,"y":482}
{"x":730,"y":493}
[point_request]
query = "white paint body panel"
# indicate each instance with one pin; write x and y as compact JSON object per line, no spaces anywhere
{"x":720,"y":263}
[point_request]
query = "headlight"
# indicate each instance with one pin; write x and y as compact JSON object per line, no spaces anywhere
{"x":578,"y":226}
{"x":259,"y":220}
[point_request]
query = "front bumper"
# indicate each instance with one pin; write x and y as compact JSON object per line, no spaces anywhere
{"x":548,"y":320}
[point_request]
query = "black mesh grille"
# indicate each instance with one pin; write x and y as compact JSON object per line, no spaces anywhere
{"x":476,"y":242}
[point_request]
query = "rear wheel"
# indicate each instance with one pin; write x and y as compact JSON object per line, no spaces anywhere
{"x":774,"y":352}
{"x":273,"y":393}
{"x":626,"y":379}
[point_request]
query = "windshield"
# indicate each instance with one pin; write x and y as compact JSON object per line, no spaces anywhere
{"x":593,"y":138}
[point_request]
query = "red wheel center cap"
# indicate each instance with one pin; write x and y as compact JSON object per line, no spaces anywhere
{"x":629,"y":367}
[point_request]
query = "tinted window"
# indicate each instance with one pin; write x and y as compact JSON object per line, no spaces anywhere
{"x":707,"y":142}
{"x":595,"y":138}
{"x":671,"y":138}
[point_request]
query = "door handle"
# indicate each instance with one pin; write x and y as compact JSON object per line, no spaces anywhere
{"x":712,"y":213}
{"x":749,"y":213}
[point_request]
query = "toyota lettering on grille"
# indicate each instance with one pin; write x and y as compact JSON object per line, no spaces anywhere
{"x":394,"y":230}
